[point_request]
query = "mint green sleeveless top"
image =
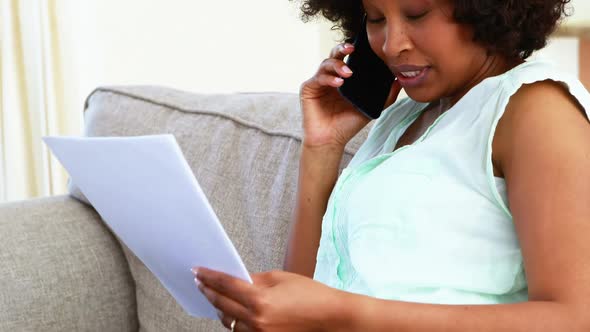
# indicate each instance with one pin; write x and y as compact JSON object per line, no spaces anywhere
{"x":430,"y":222}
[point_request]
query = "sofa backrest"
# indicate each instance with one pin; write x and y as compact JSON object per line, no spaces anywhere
{"x":243,"y":149}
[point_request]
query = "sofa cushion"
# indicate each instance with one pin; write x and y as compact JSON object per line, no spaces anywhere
{"x":62,"y":270}
{"x":244,"y":151}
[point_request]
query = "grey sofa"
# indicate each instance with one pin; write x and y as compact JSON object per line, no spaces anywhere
{"x":63,"y":270}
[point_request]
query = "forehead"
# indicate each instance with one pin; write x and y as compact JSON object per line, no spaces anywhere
{"x":401,"y":3}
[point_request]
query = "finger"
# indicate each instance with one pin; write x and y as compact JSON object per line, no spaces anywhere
{"x":320,"y":81}
{"x":224,"y":304}
{"x":331,"y":73}
{"x":341,"y":50}
{"x":329,"y":80}
{"x":226,"y":320}
{"x":335,"y":67}
{"x":237,"y":289}
{"x":240,"y":326}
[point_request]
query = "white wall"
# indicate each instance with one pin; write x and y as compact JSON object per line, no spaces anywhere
{"x":581,"y":15}
{"x":197,"y":45}
{"x":564,"y":52}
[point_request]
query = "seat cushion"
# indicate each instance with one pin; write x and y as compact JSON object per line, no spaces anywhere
{"x":62,"y":270}
{"x":243,"y":149}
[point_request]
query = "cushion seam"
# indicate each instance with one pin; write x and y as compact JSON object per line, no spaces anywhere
{"x":347,"y":150}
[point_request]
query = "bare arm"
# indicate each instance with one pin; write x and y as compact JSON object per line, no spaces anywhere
{"x":373,"y":314}
{"x":318,"y":171}
{"x":329,"y":123}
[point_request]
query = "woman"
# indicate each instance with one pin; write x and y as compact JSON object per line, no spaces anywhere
{"x":482,"y":174}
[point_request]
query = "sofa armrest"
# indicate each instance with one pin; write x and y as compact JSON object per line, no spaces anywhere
{"x":62,"y":269}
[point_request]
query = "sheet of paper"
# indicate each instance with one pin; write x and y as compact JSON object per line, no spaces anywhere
{"x":144,"y":189}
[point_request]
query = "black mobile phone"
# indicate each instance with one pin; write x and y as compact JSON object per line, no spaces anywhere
{"x":371,"y":80}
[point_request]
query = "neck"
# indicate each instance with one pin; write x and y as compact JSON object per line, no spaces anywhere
{"x":493,"y":65}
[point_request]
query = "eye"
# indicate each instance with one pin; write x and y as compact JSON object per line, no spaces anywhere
{"x":375,"y":21}
{"x":416,"y":17}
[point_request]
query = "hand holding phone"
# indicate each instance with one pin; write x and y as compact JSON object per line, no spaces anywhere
{"x":370,"y":85}
{"x":330,"y":119}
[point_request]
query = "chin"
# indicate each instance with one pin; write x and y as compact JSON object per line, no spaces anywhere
{"x":421,"y":96}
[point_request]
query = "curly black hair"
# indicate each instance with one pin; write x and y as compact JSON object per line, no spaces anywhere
{"x":513,"y":28}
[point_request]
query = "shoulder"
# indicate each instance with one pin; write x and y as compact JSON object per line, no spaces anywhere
{"x":542,"y":103}
{"x":543,"y":95}
{"x":544,"y":112}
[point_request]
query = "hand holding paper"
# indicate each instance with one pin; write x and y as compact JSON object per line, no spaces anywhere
{"x":147,"y":194}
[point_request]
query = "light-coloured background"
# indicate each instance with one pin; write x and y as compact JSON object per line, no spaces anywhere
{"x":55,"y":52}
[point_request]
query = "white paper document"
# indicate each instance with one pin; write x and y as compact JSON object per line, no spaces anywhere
{"x":144,"y":189}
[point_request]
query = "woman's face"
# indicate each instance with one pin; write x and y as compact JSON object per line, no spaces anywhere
{"x":422,"y":33}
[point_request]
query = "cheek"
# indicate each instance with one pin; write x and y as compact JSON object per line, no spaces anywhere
{"x":376,"y":41}
{"x":448,"y":49}
{"x":429,"y":43}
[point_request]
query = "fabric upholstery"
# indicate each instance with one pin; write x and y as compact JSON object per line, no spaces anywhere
{"x":62,"y":270}
{"x":244,"y":151}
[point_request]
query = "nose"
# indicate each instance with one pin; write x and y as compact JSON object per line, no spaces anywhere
{"x":396,"y":41}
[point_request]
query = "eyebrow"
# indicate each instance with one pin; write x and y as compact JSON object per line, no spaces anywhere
{"x":370,"y":3}
{"x":424,"y":2}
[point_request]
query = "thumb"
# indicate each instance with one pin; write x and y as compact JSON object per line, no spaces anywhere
{"x":396,"y":88}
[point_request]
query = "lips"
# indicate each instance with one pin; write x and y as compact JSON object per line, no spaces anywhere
{"x":410,"y":76}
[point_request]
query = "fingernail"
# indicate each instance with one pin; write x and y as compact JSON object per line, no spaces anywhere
{"x":346,"y":70}
{"x":347,"y":45}
{"x":198,"y":283}
{"x":195,"y":270}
